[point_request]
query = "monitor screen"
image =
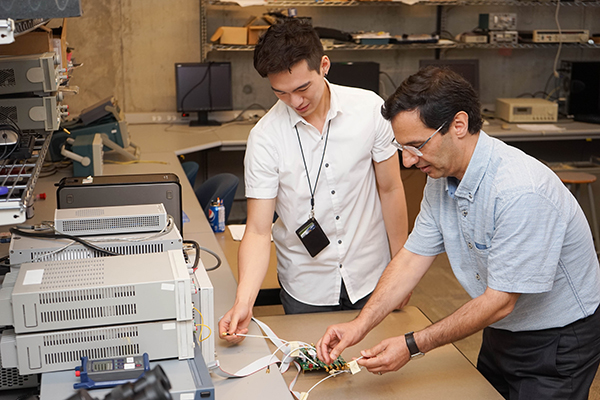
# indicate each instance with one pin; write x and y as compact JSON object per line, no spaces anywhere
{"x":468,"y":69}
{"x":364,"y":74}
{"x":203,"y":87}
{"x":583,"y":87}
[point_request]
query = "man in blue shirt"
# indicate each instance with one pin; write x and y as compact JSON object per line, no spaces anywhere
{"x":517,"y":241}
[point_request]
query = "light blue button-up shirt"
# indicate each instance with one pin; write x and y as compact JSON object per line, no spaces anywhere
{"x":511,"y":225}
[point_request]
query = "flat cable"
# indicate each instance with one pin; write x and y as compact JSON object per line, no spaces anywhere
{"x":292,"y":351}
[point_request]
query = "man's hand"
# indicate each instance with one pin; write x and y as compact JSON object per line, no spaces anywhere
{"x":336,"y":339}
{"x":235,"y":321}
{"x":389,"y":355}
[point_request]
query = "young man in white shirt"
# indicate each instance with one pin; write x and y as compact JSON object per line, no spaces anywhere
{"x":322,"y":159}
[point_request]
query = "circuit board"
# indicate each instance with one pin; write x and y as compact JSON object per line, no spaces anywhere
{"x":312,"y":363}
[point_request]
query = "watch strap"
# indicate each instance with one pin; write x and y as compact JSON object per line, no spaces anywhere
{"x":412,"y":345}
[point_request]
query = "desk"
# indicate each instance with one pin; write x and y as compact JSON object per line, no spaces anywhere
{"x":443,"y":373}
{"x":230,"y":248}
{"x":158,"y":145}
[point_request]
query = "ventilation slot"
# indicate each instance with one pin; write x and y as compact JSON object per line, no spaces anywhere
{"x":10,"y":379}
{"x":10,"y":112}
{"x":89,"y":212}
{"x":91,"y":336}
{"x":110,"y":223}
{"x":88,"y":313}
{"x":78,"y":254}
{"x":92,"y":354}
{"x":7,"y":77}
{"x":134,"y":249}
{"x":73,"y":296}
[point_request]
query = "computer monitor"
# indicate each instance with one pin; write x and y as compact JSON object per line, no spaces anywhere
{"x":581,"y":81}
{"x":468,"y":69}
{"x":363,"y":74}
{"x":203,"y":87}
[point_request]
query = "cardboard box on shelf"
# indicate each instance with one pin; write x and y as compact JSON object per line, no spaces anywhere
{"x":255,"y":31}
{"x":231,"y":35}
{"x":30,"y":43}
{"x":248,"y":34}
{"x":40,"y":41}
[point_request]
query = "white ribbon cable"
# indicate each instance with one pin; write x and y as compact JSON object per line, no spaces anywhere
{"x":248,"y":370}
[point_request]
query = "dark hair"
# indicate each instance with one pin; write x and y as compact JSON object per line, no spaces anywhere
{"x":285,"y":44}
{"x":438,"y":94}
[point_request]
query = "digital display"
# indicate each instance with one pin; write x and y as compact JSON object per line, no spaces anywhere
{"x":99,"y":366}
{"x":522,"y":110}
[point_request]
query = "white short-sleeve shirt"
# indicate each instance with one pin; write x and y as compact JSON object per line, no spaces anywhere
{"x":347,"y":204}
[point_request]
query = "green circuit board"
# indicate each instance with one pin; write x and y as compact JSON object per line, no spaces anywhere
{"x":308,"y":365}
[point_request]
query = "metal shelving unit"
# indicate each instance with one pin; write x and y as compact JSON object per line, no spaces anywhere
{"x":442,"y":46}
{"x":205,"y":47}
{"x":353,"y":3}
{"x":19,"y":178}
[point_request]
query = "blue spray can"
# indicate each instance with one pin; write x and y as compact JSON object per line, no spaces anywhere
{"x":216,"y":216}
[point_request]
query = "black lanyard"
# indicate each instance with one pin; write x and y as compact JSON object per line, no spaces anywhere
{"x":312,"y":191}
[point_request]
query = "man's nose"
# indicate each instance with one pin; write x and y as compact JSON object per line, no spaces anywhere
{"x":409,"y":159}
{"x":297,"y":100}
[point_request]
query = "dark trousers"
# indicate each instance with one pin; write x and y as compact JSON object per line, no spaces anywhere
{"x":293,"y":306}
{"x":557,"y":363}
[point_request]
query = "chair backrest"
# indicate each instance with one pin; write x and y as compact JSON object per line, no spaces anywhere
{"x":222,"y":186}
{"x":191,"y":170}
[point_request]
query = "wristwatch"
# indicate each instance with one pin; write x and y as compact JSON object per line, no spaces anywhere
{"x":412,"y":346}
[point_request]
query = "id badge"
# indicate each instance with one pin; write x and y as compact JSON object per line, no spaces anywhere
{"x":312,"y":237}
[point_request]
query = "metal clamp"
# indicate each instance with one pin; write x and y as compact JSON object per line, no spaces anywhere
{"x":7,"y":31}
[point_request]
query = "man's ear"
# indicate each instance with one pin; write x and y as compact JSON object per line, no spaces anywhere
{"x":325,"y":65}
{"x":460,"y":123}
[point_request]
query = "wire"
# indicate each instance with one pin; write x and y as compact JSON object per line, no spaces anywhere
{"x":197,"y":259}
{"x":195,"y":86}
{"x":13,"y":126}
{"x":246,"y":109}
{"x":389,"y":77}
{"x":554,"y":70}
{"x":135,"y":162}
{"x":202,"y":325}
{"x":336,"y":373}
{"x":62,"y":236}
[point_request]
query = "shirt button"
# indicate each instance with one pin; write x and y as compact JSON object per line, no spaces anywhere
{"x":477,"y":276}
{"x":470,"y":196}
{"x":470,"y":245}
{"x":465,"y":213}
{"x":339,"y":242}
{"x":337,"y":217}
{"x":333,"y":192}
{"x":340,"y":265}
{"x":326,"y":165}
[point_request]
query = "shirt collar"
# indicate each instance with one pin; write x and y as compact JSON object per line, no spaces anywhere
{"x":475,"y":172}
{"x":334,"y":107}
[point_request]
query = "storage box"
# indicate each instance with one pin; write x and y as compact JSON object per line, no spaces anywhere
{"x":248,"y":34}
{"x":30,"y":43}
{"x":255,"y":31}
{"x":40,"y":41}
{"x":231,"y":35}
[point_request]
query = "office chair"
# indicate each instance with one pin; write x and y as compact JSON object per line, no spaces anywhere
{"x":222,"y":186}
{"x":191,"y":170}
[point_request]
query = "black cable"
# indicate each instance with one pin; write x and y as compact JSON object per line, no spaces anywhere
{"x":12,"y":127}
{"x":195,"y":86}
{"x":63,"y":236}
{"x":197,"y":260}
{"x":246,"y":109}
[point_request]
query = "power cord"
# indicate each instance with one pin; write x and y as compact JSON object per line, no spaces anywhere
{"x":197,"y":256}
{"x":56,"y":235}
{"x":11,"y":126}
